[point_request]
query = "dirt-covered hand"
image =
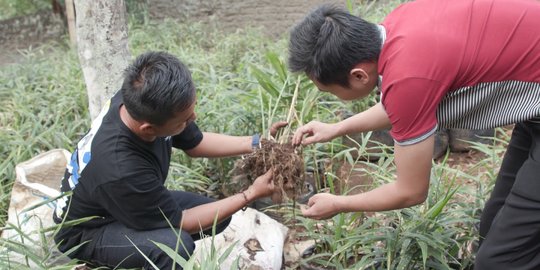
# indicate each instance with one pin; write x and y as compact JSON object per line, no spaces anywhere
{"x":276,"y":127}
{"x":321,"y":206}
{"x":316,"y":132}
{"x":263,"y":186}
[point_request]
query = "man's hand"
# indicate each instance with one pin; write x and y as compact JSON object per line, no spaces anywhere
{"x":322,"y":206}
{"x":203,"y":215}
{"x":263,"y":186}
{"x":316,"y":131}
{"x":276,"y":127}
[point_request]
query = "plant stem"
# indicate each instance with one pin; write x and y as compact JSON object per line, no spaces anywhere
{"x":285,"y":136}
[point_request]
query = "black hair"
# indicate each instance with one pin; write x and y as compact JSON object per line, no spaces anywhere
{"x":157,"y":86}
{"x":329,"y":41}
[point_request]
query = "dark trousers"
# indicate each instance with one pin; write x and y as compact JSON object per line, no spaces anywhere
{"x":112,"y":246}
{"x":510,"y":222}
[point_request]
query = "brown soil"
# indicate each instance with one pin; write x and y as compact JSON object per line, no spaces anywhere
{"x":287,"y":165}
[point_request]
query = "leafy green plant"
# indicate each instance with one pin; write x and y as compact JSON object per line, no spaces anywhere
{"x":31,"y":247}
{"x":425,"y":237}
{"x":438,"y":234}
{"x":15,"y":8}
{"x":243,"y":86}
{"x":42,"y":106}
{"x":213,"y":258}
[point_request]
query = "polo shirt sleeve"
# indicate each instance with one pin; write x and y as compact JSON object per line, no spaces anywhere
{"x":189,"y":138}
{"x":411,"y":105}
{"x":139,"y":202}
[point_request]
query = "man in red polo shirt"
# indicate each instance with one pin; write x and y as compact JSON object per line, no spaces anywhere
{"x":439,"y":64}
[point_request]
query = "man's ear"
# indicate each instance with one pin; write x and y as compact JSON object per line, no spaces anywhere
{"x":359,"y":74}
{"x":147,"y":129}
{"x":364,"y":72}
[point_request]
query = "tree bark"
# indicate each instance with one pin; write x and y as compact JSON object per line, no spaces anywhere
{"x":102,"y":43}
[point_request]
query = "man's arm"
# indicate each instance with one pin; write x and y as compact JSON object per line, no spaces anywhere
{"x":374,"y":118}
{"x":203,"y":216}
{"x":413,"y":165}
{"x":220,"y":145}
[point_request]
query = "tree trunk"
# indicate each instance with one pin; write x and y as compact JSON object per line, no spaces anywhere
{"x":102,"y":42}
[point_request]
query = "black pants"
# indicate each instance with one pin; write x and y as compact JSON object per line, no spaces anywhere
{"x":112,"y":247}
{"x":510,"y":222}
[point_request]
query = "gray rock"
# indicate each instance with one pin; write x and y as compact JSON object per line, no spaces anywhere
{"x":441,"y":143}
{"x":460,"y":139}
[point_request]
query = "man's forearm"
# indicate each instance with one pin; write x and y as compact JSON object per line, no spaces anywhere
{"x":220,"y":145}
{"x":374,"y":118}
{"x":383,"y":198}
{"x":203,"y":216}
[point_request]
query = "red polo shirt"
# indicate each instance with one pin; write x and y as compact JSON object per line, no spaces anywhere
{"x":460,"y":64}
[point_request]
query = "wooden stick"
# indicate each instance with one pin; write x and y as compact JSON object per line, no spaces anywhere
{"x":70,"y":14}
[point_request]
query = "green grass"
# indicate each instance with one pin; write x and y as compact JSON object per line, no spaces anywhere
{"x":243,"y":86}
{"x":438,"y":234}
{"x":15,"y":8}
{"x":42,"y":106}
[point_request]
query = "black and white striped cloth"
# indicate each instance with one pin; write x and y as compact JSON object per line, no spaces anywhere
{"x":489,"y":105}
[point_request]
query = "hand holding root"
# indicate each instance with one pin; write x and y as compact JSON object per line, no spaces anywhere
{"x":316,"y":132}
{"x":321,"y":206}
{"x":263,"y":186}
{"x":276,"y":127}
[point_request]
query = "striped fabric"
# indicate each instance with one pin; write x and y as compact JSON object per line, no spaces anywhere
{"x":489,"y":105}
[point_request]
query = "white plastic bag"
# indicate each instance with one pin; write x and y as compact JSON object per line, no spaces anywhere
{"x":38,"y":181}
{"x":258,"y":242}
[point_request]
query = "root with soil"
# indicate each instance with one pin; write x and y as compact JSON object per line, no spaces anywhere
{"x":288,"y":169}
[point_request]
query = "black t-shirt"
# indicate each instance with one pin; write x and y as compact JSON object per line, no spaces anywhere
{"x":116,"y":176}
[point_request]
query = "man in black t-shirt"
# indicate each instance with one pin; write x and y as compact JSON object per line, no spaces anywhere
{"x":117,"y":172}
